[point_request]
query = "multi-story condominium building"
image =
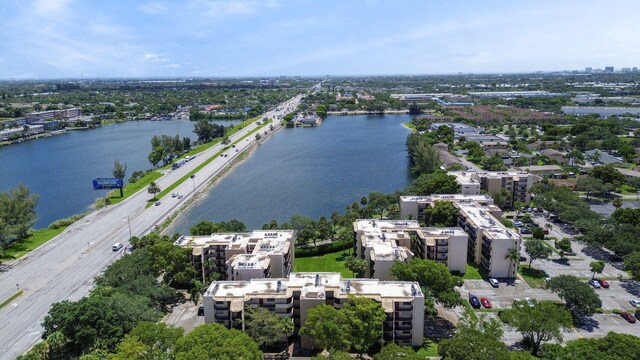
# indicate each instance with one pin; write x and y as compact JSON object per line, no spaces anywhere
{"x":242,"y":256}
{"x":53,"y":114}
{"x":489,"y":240}
{"x":517,"y":183}
{"x":383,"y":242}
{"x":402,"y":301}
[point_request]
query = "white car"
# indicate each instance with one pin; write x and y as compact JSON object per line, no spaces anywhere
{"x":529,"y":301}
{"x":634,"y":302}
{"x":175,"y":194}
{"x":116,"y":246}
{"x":494,"y":282}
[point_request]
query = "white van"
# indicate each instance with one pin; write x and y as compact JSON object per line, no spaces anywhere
{"x":116,"y":246}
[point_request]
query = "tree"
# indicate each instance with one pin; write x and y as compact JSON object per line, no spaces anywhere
{"x":513,"y":255}
{"x":578,"y":296}
{"x":475,"y":340}
{"x":596,"y":267}
{"x":265,"y":327}
{"x":392,"y":351}
{"x":536,"y":250}
{"x":328,"y":328}
{"x":590,"y":185}
{"x":612,"y":346}
{"x":542,"y":322}
{"x":632,"y":264}
{"x":364,"y":318}
{"x":119,"y":172}
{"x":214,"y":341}
{"x":434,"y":277}
{"x":158,"y":338}
{"x":437,"y":182}
{"x":207,"y":131}
{"x":425,"y":159}
{"x":357,"y":266}
{"x":17,"y":213}
{"x":617,"y":203}
{"x":442,"y":213}
{"x":538,"y":233}
{"x":494,"y":163}
{"x":563,"y":246}
{"x":608,"y":174}
{"x":153,"y":189}
{"x":196,"y":291}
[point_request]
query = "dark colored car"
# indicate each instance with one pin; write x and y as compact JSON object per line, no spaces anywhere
{"x":201,"y":311}
{"x":627,"y":316}
{"x":474,"y":301}
{"x":603,"y":283}
{"x":523,"y":258}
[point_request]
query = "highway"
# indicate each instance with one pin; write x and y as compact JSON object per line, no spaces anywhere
{"x":64,"y":268}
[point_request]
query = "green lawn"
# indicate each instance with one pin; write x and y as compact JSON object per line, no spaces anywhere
{"x":429,"y":348}
{"x":132,"y":188}
{"x":410,"y":125}
{"x":534,"y":277}
{"x":472,"y":273}
{"x":325,"y":263}
{"x":37,"y":238}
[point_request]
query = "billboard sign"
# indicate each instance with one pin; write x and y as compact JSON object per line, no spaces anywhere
{"x":107,"y":183}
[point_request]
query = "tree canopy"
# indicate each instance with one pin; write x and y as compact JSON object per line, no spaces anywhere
{"x":578,"y":296}
{"x":433,"y":277}
{"x":17,"y":213}
{"x":214,"y":341}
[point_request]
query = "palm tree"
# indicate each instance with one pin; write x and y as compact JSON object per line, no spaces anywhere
{"x":153,"y":189}
{"x":195,"y":292}
{"x":513,"y":255}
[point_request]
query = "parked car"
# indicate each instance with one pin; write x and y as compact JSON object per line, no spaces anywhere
{"x":117,"y":246}
{"x":603,"y":283}
{"x":201,"y":311}
{"x":627,"y":316}
{"x":473,"y":300}
{"x":518,"y":223}
{"x":595,"y":283}
{"x":494,"y":282}
{"x":525,"y":230}
{"x":634,"y":302}
{"x":523,"y":258}
{"x":546,"y":231}
{"x":485,"y":302}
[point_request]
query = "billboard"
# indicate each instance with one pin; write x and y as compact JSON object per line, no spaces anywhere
{"x":107,"y":183}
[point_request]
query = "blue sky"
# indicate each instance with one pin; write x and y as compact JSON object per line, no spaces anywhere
{"x":118,"y":38}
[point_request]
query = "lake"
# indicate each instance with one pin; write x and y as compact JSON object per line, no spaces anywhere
{"x":310,"y":171}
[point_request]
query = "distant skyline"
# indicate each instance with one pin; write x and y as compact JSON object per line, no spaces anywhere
{"x":255,"y":38}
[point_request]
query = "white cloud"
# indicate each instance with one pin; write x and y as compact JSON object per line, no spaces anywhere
{"x":234,"y":7}
{"x":153,"y":8}
{"x":174,"y":65}
{"x":50,"y":8}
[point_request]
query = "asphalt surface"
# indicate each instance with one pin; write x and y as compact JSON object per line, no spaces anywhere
{"x":64,"y":268}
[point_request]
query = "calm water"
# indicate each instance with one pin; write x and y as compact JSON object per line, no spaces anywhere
{"x":310,"y":171}
{"x":60,"y":168}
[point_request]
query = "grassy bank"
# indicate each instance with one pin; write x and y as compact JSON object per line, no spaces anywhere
{"x":172,"y":187}
{"x":132,"y":188}
{"x":37,"y":238}
{"x":535,"y":278}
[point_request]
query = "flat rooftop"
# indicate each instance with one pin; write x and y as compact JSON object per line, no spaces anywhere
{"x":271,"y":241}
{"x":483,"y":219}
{"x":249,"y":261}
{"x":313,"y":286}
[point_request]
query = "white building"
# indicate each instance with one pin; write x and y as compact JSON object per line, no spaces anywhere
{"x":242,"y":256}
{"x":383,"y":242}
{"x":7,"y":134}
{"x":489,"y":240}
{"x":516,"y":182}
{"x":292,"y":297}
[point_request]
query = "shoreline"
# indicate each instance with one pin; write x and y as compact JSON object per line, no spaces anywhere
{"x":204,"y":192}
{"x":364,"y":112}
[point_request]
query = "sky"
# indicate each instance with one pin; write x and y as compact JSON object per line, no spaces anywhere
{"x":262,"y":38}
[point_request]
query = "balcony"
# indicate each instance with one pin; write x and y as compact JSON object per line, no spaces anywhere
{"x":442,"y":256}
{"x":223,"y":306}
{"x":442,"y":243}
{"x":404,"y":315}
{"x":442,"y":249}
{"x":401,"y":335}
{"x":404,"y":325}
{"x":403,"y":306}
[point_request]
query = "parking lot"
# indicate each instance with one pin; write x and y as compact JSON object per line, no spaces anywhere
{"x":502,"y":297}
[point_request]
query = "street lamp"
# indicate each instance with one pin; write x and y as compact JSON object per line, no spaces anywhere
{"x":193,"y":177}
{"x":129,"y":222}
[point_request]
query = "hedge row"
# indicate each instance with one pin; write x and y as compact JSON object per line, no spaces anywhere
{"x":66,"y":222}
{"x":324,"y":248}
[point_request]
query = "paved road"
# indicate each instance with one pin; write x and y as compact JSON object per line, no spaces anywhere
{"x":65,"y":267}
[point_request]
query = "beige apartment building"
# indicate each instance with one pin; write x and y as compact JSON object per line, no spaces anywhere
{"x":489,"y":240}
{"x":293,"y":296}
{"x":516,"y":182}
{"x":383,"y":242}
{"x":242,"y":256}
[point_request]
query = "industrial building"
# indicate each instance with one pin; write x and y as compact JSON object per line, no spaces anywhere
{"x":293,"y":296}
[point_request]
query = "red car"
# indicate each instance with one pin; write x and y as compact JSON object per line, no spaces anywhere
{"x":485,"y":302}
{"x":627,"y":316}
{"x":603,"y":283}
